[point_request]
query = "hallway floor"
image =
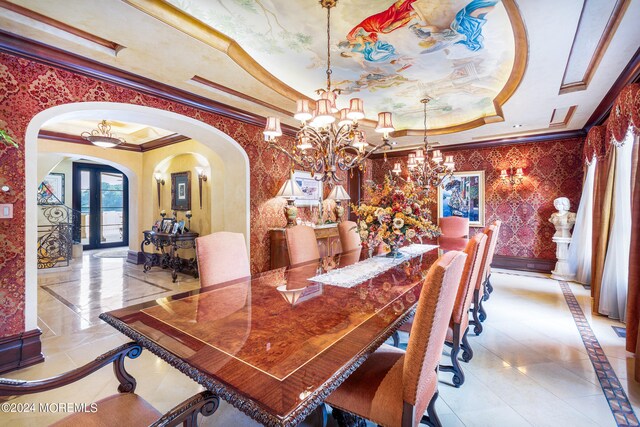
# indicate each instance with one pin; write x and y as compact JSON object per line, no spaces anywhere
{"x":530,"y":365}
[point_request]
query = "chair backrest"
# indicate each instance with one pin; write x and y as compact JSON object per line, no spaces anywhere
{"x":430,"y":324}
{"x":492,"y":236}
{"x":454,"y":226}
{"x":472,"y":268}
{"x":301,"y":244}
{"x":222,"y":256}
{"x":349,"y":237}
{"x":497,"y":223}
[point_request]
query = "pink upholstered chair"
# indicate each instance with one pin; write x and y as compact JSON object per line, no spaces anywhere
{"x":454,"y":226}
{"x":393,"y":387}
{"x":222,"y":256}
{"x":124,"y":408}
{"x":349,"y":237}
{"x":459,"y":323}
{"x":488,"y":286}
{"x":478,"y":312}
{"x":301,"y":244}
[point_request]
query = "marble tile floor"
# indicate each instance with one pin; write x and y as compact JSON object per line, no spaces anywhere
{"x":530,"y":367}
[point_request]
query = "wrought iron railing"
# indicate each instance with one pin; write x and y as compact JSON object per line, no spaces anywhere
{"x":56,"y":238}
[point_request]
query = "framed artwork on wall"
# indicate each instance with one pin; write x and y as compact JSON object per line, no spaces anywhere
{"x":181,"y":191}
{"x":463,"y":195}
{"x":311,"y":188}
{"x":51,"y":190}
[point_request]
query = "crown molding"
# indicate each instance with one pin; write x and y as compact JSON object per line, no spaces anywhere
{"x":579,"y":133}
{"x":140,"y":148}
{"x":55,"y":57}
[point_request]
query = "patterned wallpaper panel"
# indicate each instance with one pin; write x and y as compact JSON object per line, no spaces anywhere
{"x":552,"y":169}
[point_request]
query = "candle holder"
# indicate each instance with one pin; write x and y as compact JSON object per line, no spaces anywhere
{"x":189,"y":215}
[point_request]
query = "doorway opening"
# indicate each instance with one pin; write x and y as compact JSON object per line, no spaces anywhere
{"x":101,"y":195}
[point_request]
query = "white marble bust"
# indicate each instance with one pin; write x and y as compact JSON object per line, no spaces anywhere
{"x":563,"y":220}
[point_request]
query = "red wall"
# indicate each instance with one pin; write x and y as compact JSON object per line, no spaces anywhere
{"x":552,"y":169}
{"x":27,"y":88}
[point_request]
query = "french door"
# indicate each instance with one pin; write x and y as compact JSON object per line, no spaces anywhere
{"x":101,"y":195}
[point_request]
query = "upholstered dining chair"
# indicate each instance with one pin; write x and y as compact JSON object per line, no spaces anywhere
{"x":488,"y":286}
{"x":349,"y":237}
{"x":122,"y":409}
{"x":478,"y":312}
{"x":454,"y":226}
{"x":301,"y":244}
{"x":459,"y":323}
{"x":222,"y":256}
{"x":394,"y":387}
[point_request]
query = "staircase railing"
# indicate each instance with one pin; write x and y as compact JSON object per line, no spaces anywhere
{"x":57,"y":237}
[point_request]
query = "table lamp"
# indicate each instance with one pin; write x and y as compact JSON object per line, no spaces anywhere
{"x":290,"y":191}
{"x":339,"y":194}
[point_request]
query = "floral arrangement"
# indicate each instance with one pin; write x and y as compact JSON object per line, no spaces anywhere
{"x":394,"y":215}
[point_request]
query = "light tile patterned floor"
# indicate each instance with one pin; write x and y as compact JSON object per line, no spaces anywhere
{"x":530,"y":366}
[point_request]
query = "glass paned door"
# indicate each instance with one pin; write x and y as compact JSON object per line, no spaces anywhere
{"x":101,"y":196}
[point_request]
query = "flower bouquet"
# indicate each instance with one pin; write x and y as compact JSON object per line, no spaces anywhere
{"x":394,"y":216}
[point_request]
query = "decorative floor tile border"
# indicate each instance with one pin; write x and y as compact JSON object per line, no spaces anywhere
{"x":618,"y":402}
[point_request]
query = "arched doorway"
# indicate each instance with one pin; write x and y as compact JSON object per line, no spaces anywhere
{"x":232,"y":173}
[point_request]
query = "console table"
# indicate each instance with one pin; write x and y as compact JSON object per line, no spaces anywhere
{"x":167,"y":246}
{"x":326,"y":235}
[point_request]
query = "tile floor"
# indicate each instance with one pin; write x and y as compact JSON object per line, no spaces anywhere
{"x":530,"y":367}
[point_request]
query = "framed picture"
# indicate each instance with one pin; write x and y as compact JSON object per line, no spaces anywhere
{"x":311,"y":188}
{"x":180,"y":227}
{"x":181,"y":191}
{"x":157,"y":226}
{"x":463,"y":195}
{"x":167,"y":225}
{"x":51,"y":190}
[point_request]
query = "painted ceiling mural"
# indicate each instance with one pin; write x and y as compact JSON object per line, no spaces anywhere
{"x":391,"y":54}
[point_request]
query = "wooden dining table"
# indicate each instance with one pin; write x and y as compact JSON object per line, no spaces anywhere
{"x":276,"y":344}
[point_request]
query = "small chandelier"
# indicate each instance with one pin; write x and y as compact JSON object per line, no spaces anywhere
{"x":329,"y":139}
{"x":427,"y":172}
{"x":102,"y":136}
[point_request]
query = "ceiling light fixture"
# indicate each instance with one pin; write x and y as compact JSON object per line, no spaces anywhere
{"x":329,"y":139}
{"x":424,"y":171}
{"x":102,"y":136}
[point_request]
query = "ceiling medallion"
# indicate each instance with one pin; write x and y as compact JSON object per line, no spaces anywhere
{"x":328,"y":139}
{"x":102,"y":136}
{"x":424,"y":171}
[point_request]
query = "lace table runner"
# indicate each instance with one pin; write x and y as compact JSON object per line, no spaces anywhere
{"x":352,"y":275}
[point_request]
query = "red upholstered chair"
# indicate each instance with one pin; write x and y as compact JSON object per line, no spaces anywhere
{"x":454,"y":226}
{"x":349,"y":237}
{"x":459,"y":324}
{"x":478,"y":312}
{"x":301,"y":244}
{"x":488,"y":286}
{"x":393,"y":387}
{"x":222,"y":256}
{"x":122,"y":409}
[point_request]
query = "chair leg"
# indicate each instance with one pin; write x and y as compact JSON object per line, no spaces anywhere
{"x":431,"y":419}
{"x":346,"y":419}
{"x":477,"y":325}
{"x":458,"y":375}
{"x":489,"y":285}
{"x":396,"y":339}
{"x":482,"y":315}
{"x":467,"y":353}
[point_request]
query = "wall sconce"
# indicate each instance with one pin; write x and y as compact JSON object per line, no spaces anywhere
{"x":159,"y":181}
{"x":511,"y":177}
{"x":201,"y":177}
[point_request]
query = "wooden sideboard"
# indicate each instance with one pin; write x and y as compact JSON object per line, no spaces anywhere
{"x":326,"y":236}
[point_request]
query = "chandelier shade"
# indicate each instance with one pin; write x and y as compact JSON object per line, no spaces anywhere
{"x":329,"y":139}
{"x":102,"y":136}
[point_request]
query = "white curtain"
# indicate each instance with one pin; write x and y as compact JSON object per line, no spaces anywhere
{"x":615,"y":276}
{"x":580,"y":248}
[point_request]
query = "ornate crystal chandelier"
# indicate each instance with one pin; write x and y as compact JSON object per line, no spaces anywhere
{"x":427,"y":172}
{"x":329,"y":139}
{"x":102,"y":136}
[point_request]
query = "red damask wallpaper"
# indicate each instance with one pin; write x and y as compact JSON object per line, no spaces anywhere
{"x":552,"y":169}
{"x":27,"y":88}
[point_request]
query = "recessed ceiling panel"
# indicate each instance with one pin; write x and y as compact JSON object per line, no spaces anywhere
{"x":391,"y":54}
